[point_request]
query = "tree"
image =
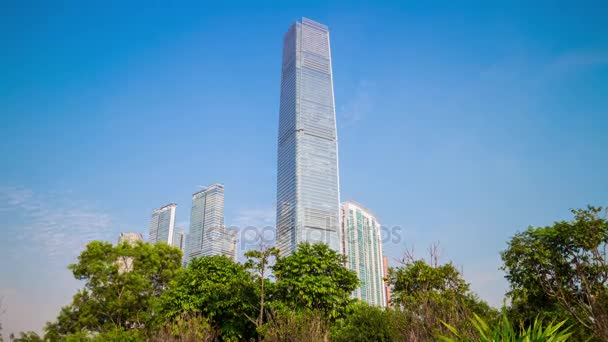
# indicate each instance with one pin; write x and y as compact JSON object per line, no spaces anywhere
{"x":258,"y":263}
{"x":313,"y":277}
{"x":365,"y":323}
{"x":187,"y":328}
{"x":425,"y":294}
{"x":29,"y":336}
{"x":219,"y":289}
{"x":286,"y":325}
{"x":564,"y":266}
{"x":121,"y":287}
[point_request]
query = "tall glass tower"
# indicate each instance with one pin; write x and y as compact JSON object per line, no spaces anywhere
{"x":307,"y":178}
{"x":208,"y":235}
{"x":162,"y":224}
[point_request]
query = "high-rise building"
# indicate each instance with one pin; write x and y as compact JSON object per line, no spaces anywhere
{"x":130,"y":238}
{"x":179,"y":238}
{"x":307,"y":178}
{"x":125,"y":263}
{"x":162,"y":224}
{"x":362,"y":245}
{"x":208,"y":236}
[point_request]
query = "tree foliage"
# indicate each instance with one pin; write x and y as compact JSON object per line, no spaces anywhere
{"x":562,"y":268}
{"x":187,"y":328}
{"x":121,"y":286}
{"x":427,"y":293}
{"x":258,"y":263}
{"x":219,"y":289}
{"x":29,"y":336}
{"x":313,"y":277}
{"x":367,"y":324}
{"x":287,"y":325}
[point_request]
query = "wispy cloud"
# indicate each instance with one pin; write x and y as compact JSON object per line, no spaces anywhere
{"x":255,"y":217}
{"x":359,"y":105}
{"x":254,"y":227}
{"x":52,"y":223}
{"x":520,"y":69}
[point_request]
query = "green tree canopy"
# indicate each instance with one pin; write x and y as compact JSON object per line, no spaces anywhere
{"x":314,"y":277}
{"x":218,"y":288}
{"x":563,"y":266}
{"x":121,"y":285}
{"x":365,"y":323}
{"x":425,"y":294}
{"x":258,"y":263}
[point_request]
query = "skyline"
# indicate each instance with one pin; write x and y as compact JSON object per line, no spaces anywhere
{"x":474,"y":122}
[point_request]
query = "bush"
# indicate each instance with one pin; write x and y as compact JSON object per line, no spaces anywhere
{"x":290,"y":326}
{"x":188,"y":328}
{"x":504,"y":331}
{"x":365,"y":323}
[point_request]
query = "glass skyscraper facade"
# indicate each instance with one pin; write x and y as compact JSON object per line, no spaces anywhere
{"x":179,"y":238}
{"x":208,"y":236}
{"x":307,"y":178}
{"x":361,"y":243}
{"x":162,"y":224}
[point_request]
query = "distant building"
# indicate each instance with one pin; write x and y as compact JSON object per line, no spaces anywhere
{"x":361,"y":243}
{"x":130,"y":238}
{"x":308,"y":196}
{"x":208,"y":235}
{"x":229,"y":243}
{"x":162,"y":224}
{"x":125,"y":263}
{"x":387,"y":286}
{"x":179,"y":239}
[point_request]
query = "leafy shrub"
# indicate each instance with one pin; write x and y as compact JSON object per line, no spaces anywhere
{"x":504,"y":331}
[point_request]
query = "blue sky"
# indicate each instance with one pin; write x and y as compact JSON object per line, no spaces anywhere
{"x":460,"y":123}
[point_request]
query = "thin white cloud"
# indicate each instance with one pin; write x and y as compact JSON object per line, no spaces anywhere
{"x":520,"y":69}
{"x":53,"y":224}
{"x":256,"y":217}
{"x":255,"y":227}
{"x":40,"y":234}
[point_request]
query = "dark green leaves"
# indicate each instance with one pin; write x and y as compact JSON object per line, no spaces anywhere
{"x":562,"y":269}
{"x":313,"y":277}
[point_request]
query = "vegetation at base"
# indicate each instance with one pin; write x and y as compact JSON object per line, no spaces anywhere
{"x":562,"y":271}
{"x":504,"y":331}
{"x":140,"y":292}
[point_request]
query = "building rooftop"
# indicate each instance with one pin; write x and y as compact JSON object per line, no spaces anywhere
{"x":313,"y":23}
{"x":170,"y":205}
{"x":357,"y":204}
{"x":210,"y":187}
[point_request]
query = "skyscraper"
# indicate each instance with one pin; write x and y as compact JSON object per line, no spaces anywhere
{"x":179,"y":238}
{"x":162,"y":224}
{"x":208,"y":236}
{"x":125,"y":263}
{"x":307,"y":178}
{"x":362,"y":244}
{"x":130,"y":238}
